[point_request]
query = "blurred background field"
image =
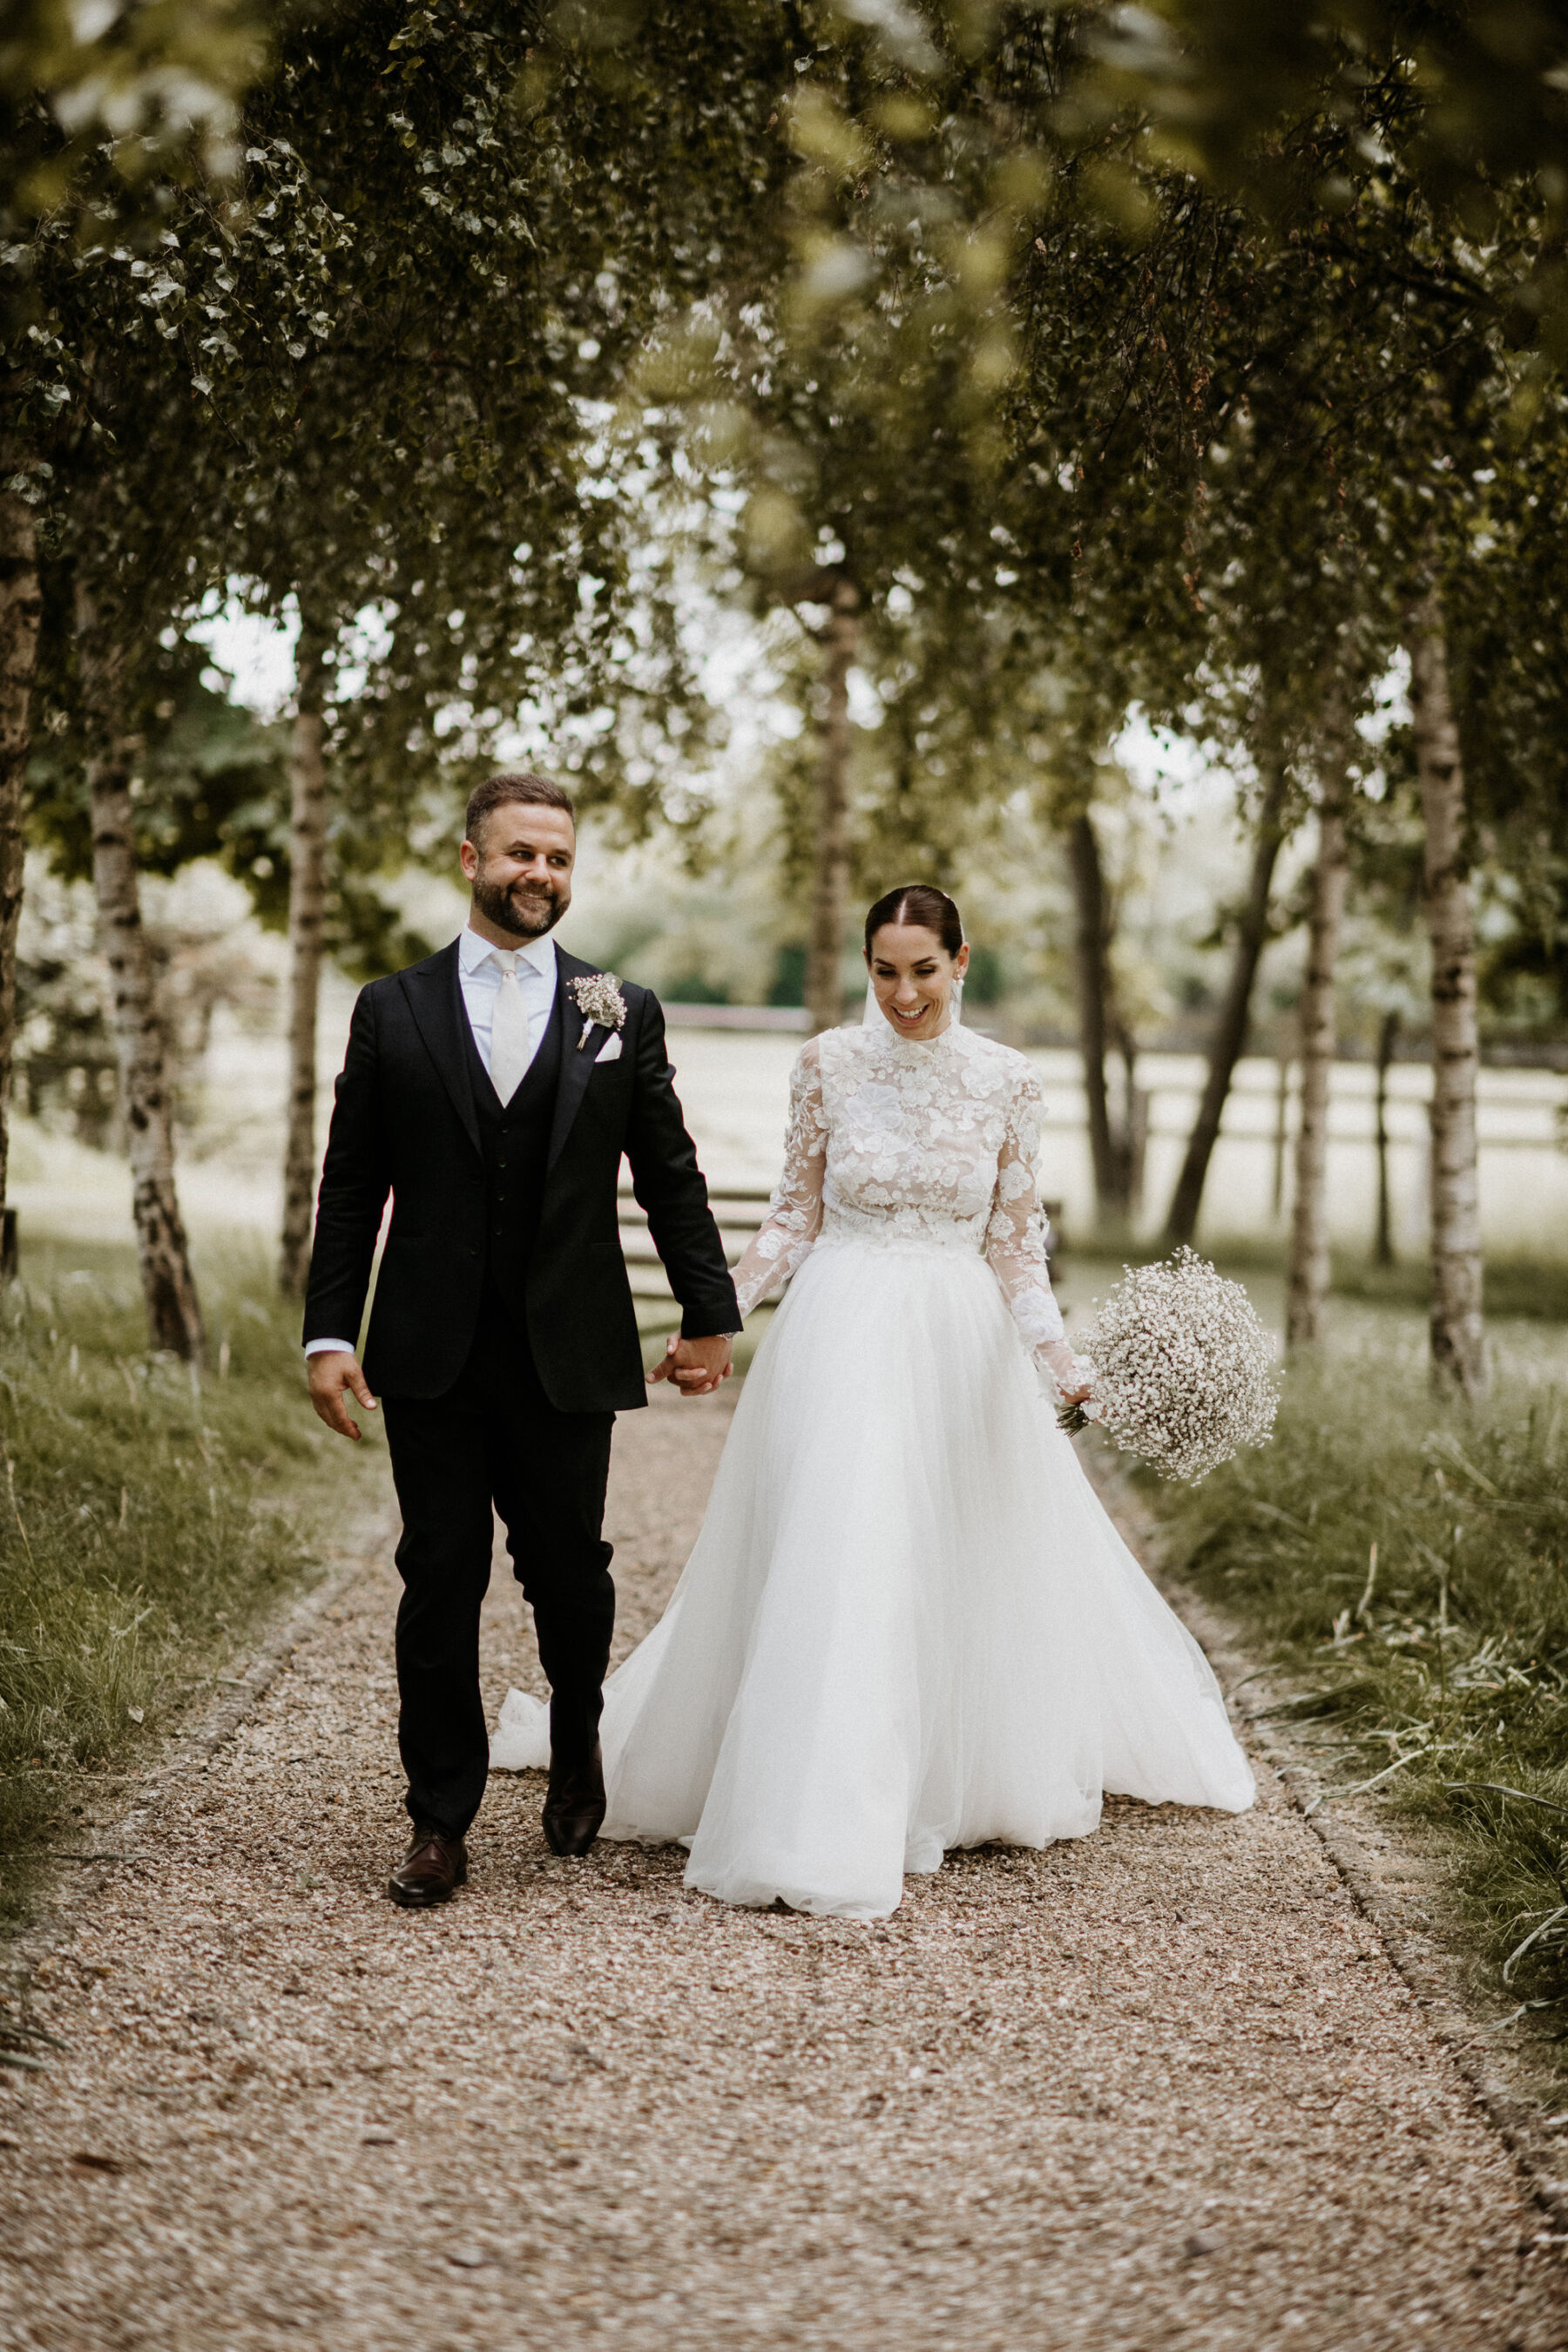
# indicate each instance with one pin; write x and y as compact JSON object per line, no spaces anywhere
{"x":734,"y":1079}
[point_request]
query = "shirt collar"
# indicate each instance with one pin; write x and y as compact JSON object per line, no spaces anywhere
{"x":473,"y":952}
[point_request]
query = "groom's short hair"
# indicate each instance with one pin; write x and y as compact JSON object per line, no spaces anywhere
{"x":518,"y":784}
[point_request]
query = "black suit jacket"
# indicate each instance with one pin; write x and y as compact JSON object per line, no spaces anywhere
{"x":404,"y":1123}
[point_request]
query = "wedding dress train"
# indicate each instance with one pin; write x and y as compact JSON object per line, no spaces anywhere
{"x":907,"y":1622}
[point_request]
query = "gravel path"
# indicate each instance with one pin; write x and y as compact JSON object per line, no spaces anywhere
{"x":1158,"y":2088}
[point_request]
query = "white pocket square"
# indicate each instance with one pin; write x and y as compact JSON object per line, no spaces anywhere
{"x":610,"y":1051}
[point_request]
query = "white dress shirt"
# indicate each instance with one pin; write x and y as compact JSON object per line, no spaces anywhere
{"x":478,"y":978}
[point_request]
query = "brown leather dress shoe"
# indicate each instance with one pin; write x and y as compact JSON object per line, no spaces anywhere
{"x":431,"y":1871}
{"x":575,"y":1803}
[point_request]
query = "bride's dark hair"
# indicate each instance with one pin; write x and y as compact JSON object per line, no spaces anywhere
{"x":919,"y":903}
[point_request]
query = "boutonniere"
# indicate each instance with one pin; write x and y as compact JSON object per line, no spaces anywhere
{"x":601,"y":1004}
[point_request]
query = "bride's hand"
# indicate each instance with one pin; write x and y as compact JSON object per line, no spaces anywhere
{"x":1073,"y":1375}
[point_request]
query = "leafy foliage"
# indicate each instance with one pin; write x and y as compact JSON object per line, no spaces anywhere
{"x":106,"y":107}
{"x":1466,"y":104}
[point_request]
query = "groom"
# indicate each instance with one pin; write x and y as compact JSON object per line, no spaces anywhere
{"x":492,"y":1091}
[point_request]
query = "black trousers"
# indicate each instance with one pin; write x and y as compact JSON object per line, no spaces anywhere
{"x":495,"y":1438}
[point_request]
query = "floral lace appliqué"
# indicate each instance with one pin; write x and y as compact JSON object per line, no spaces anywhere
{"x":925,"y":1146}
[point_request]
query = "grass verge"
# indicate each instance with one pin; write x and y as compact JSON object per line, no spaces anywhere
{"x":149,"y":1520}
{"x":1407,"y":1558}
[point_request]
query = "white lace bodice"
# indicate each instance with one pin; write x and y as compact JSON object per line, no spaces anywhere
{"x":916,"y":1146}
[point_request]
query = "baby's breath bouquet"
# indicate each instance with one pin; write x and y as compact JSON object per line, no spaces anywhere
{"x":1183,"y":1369}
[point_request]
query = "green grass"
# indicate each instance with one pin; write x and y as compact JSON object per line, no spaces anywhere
{"x":1445,"y":1667}
{"x":149,"y":1520}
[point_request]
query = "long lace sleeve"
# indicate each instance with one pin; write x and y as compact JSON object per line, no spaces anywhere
{"x":1016,"y":1244}
{"x":794,"y":1214}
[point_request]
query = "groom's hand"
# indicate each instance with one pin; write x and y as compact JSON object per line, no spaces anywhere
{"x":696,"y":1365}
{"x":333,"y":1376}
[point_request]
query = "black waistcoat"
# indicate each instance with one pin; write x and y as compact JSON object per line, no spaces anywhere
{"x":515,"y":1141}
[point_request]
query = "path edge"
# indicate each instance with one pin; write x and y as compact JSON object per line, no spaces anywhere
{"x":59,"y":1916}
{"x":1430,"y":1971}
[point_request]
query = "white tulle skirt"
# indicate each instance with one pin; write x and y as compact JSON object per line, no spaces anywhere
{"x":906,"y":1624}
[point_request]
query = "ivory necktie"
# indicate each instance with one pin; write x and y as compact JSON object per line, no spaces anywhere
{"x":508,"y":1028}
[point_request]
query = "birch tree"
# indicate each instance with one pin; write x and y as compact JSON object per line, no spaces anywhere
{"x":348,"y":375}
{"x":124,"y":478}
{"x":1385,"y":187}
{"x":20,"y":605}
{"x":838,"y":384}
{"x":511,"y":218}
{"x":825,"y":945}
{"x":1458,"y":1353}
{"x":307,"y":915}
{"x":173,"y":1315}
{"x":1227,"y":1039}
{"x":1110,"y":1149}
{"x":1115,"y":1142}
{"x":105,"y":117}
{"x":1307,"y":1279}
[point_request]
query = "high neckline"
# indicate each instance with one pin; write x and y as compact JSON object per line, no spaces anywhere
{"x":912,"y":1047}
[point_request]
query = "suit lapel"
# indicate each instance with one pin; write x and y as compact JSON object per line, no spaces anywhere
{"x":575,"y":1067}
{"x":435,"y":1000}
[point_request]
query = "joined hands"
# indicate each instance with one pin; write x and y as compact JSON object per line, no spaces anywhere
{"x":697,"y":1367}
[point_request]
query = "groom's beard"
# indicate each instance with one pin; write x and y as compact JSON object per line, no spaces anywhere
{"x":526,"y":909}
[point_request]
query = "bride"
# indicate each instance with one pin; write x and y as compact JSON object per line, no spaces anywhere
{"x":906,"y":1624}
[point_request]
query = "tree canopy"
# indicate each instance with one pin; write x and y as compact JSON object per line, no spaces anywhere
{"x":1029,"y":366}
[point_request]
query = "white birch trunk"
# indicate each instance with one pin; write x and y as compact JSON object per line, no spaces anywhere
{"x":830,"y":859}
{"x":1388,"y":1038}
{"x":1459,"y":1348}
{"x":307,"y":901}
{"x":1307,"y":1288}
{"x":173,"y":1314}
{"x":19,"y":612}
